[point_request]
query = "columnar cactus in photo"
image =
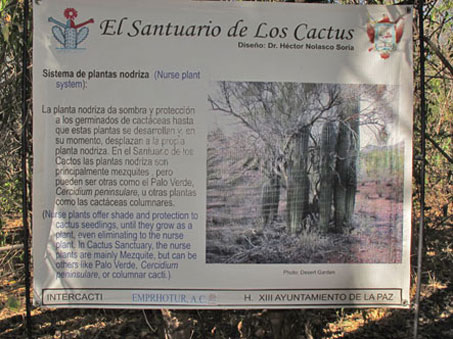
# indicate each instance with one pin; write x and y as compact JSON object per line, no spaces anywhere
{"x":354,"y":149}
{"x":270,"y":198}
{"x":327,"y":174}
{"x":298,"y":181}
{"x":346,"y":167}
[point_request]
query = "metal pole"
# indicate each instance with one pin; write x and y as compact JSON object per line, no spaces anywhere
{"x":422,"y":167}
{"x":25,"y":121}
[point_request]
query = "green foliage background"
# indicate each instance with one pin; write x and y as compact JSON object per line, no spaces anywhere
{"x":11,"y":18}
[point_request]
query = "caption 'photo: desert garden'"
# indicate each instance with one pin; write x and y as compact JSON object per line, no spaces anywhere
{"x":304,"y":173}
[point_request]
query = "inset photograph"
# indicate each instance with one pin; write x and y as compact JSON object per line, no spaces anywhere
{"x":304,"y":173}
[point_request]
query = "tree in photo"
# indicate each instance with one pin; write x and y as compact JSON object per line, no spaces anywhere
{"x":307,"y":144}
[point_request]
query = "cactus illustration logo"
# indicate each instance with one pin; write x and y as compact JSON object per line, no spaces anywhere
{"x":385,"y":35}
{"x":70,"y":35}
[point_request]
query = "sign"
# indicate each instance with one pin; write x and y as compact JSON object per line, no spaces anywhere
{"x":221,"y":155}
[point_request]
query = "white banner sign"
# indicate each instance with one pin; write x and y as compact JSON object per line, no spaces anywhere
{"x":221,"y":155}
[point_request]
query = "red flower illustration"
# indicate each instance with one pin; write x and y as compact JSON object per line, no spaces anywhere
{"x":70,"y":13}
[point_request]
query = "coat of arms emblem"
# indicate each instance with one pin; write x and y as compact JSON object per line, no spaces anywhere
{"x":385,"y":35}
